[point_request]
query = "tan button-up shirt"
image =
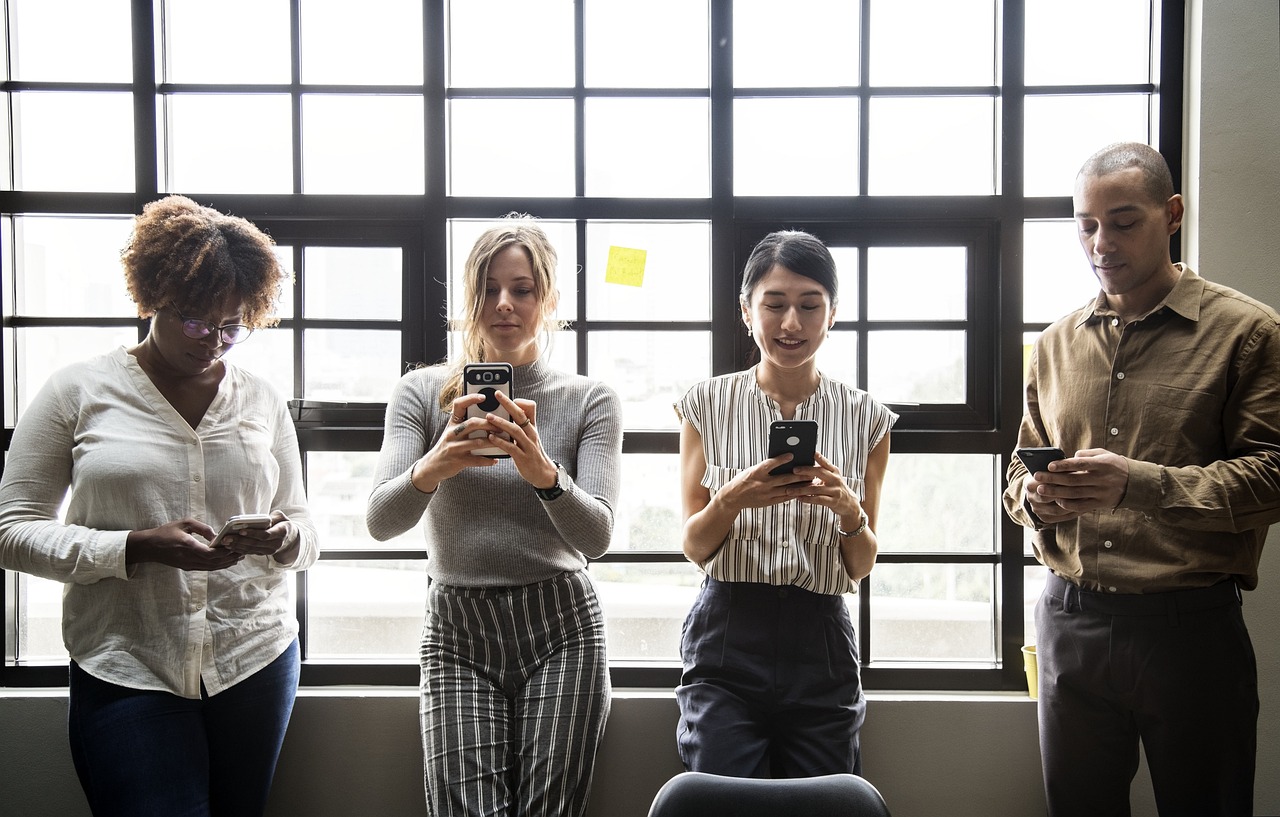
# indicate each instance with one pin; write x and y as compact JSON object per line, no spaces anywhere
{"x":1190,"y":394}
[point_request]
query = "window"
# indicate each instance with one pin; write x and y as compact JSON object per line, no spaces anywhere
{"x":932,"y":145}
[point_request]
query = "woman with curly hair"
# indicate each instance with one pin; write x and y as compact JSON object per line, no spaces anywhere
{"x":515,"y":685}
{"x":184,"y":654}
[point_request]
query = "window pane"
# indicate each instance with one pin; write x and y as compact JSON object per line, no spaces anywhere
{"x":562,"y":235}
{"x":353,"y":283}
{"x":1056,"y":277}
{"x":1066,"y":45}
{"x":39,"y":620}
{"x":932,"y":146}
{"x":350,"y":364}
{"x":73,"y":142}
{"x":197,"y":37}
{"x":362,"y":144}
{"x":338,"y":485}
{"x":814,"y":43}
{"x":647,"y":147}
{"x":485,"y":160}
{"x":648,"y":516}
{"x":366,"y":609}
{"x":1033,"y":579}
{"x":71,"y":40}
{"x":935,"y":373}
{"x":533,"y":40}
{"x":846,"y":259}
{"x":677,"y":271}
{"x":40,"y":351}
{"x":70,"y":267}
{"x":650,"y":44}
{"x":819,"y":157}
{"x":924,"y":612}
{"x":268,"y":353}
{"x":381,"y":44}
{"x":917,"y":283}
{"x":940,"y":503}
{"x":650,"y":371}
{"x":6,"y":141}
{"x":838,"y":357}
{"x":222,"y":143}
{"x":933,"y":42}
{"x":1063,"y":131}
{"x":645,"y":606}
{"x":284,"y":305}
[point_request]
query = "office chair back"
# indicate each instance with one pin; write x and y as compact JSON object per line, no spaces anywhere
{"x":695,"y":794}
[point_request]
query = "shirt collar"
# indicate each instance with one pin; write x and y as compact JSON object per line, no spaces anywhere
{"x":1184,"y":299}
{"x":824,"y":392}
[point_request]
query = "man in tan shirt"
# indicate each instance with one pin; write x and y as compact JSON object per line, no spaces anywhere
{"x":1163,"y":394}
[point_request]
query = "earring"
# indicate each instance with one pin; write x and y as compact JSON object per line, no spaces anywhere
{"x":748,"y":330}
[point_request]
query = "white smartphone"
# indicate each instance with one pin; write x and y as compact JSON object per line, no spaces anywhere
{"x":240,"y":522}
{"x":487,"y":379}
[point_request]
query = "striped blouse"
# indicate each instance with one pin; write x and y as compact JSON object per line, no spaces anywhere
{"x":791,"y":543}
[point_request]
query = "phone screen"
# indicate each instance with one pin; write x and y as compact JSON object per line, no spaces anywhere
{"x":798,"y":437}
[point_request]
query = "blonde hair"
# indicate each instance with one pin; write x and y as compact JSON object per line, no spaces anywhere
{"x":515,"y":230}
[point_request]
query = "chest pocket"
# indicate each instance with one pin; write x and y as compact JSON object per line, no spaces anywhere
{"x":1181,"y":427}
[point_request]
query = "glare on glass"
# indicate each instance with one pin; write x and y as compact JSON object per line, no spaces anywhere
{"x":654,"y":44}
{"x":846,"y":259}
{"x":1068,"y":44}
{"x":352,"y":283}
{"x":362,"y":144}
{"x":1056,"y":277}
{"x":365,"y":608}
{"x":1061,"y":132}
{"x":39,"y":621}
{"x":1033,"y":579}
{"x":916,"y":366}
{"x":795,"y":147}
{"x":510,"y":44}
{"x":932,"y":146}
{"x":933,"y":42}
{"x":71,"y":40}
{"x":69,"y":141}
{"x":676,"y":272}
{"x":944,"y":503}
{"x":814,"y":43}
{"x":493,"y":151}
{"x":268,"y":354}
{"x":338,"y":485}
{"x":42,"y":350}
{"x":563,"y":237}
{"x":380,"y":45}
{"x":227,"y":143}
{"x":645,"y":607}
{"x":933,"y":612}
{"x":648,"y":148}
{"x":284,"y":303}
{"x":69,"y":266}
{"x":648,"y":513}
{"x":231,"y":41}
{"x":6,"y":142}
{"x":650,"y":371}
{"x":917,"y":283}
{"x":354,"y":365}
{"x":837,"y":357}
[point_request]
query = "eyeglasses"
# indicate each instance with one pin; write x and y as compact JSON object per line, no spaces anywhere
{"x":230,"y":333}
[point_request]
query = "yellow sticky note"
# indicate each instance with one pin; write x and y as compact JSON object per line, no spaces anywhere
{"x":626,"y":266}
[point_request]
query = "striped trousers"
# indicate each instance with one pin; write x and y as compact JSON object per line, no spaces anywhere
{"x":514,"y":697}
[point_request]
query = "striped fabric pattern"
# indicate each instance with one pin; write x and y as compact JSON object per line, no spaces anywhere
{"x":791,"y":543}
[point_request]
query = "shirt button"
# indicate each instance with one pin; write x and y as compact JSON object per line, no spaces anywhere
{"x":195,"y":478}
{"x":1107,"y":544}
{"x":1115,"y":321}
{"x":1115,"y":431}
{"x":1119,"y":375}
{"x":786,"y":544}
{"x":1111,"y":589}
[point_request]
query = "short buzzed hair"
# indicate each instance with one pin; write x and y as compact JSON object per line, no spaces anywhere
{"x":1157,"y":179}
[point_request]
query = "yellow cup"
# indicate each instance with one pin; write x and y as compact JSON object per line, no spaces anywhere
{"x":1033,"y":672}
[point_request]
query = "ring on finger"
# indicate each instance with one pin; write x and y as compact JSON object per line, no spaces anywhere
{"x":526,"y":422}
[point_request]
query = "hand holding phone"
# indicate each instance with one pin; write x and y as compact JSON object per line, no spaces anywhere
{"x":487,"y":379}
{"x":797,"y":437}
{"x":240,"y":522}
{"x":1038,"y":458}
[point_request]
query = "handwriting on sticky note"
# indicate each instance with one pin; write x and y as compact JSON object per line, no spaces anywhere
{"x":626,"y":266}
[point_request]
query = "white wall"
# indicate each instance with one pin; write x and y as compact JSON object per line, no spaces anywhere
{"x":353,"y":752}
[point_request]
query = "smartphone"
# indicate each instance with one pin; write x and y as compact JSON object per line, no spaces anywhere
{"x":799,"y":437}
{"x":1038,"y":459}
{"x":239,"y":522}
{"x":487,"y":379}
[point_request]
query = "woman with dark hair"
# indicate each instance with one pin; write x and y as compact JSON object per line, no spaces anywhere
{"x":515,"y":684}
{"x":771,"y":684}
{"x":184,"y":656}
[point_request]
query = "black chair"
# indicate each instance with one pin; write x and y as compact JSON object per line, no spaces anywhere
{"x":695,"y":794}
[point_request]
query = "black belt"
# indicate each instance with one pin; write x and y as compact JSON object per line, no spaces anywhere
{"x":1171,"y":603}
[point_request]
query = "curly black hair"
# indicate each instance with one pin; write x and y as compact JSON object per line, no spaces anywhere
{"x":191,"y":257}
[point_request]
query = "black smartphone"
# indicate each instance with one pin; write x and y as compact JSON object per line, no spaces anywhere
{"x":487,"y":379}
{"x":240,"y":522}
{"x":1038,"y":459}
{"x":799,"y":437}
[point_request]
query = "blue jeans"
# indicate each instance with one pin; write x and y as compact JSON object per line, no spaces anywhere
{"x":143,"y":753}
